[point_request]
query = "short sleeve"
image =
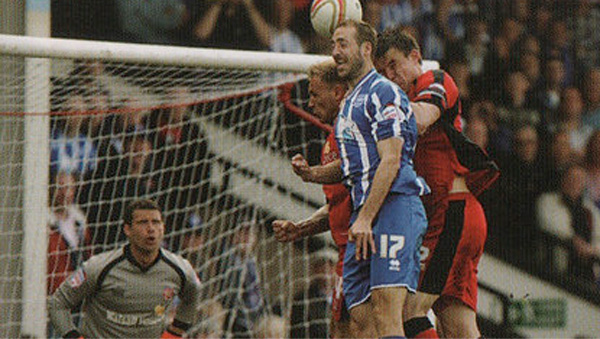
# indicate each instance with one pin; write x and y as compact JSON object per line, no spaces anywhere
{"x":388,"y":105}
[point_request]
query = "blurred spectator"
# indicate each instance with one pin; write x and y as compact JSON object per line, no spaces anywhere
{"x":559,"y":45}
{"x":311,"y":306}
{"x":451,"y":20}
{"x":477,"y":131}
{"x":512,"y":226}
{"x":560,"y":156}
{"x":476,"y":44}
{"x":403,"y":12}
{"x":69,"y":234}
{"x":181,"y":159}
{"x":513,"y":109}
{"x":546,"y":97}
{"x":459,"y":69}
{"x":592,"y":167}
{"x":591,"y":95}
{"x":233,"y":24}
{"x":542,"y":17}
{"x":271,"y":326}
{"x":283,"y":39}
{"x":240,"y":292}
{"x":574,"y":218}
{"x":584,"y":24}
{"x":499,"y":133}
{"x":131,"y":178}
{"x":130,"y":119}
{"x":72,"y":151}
{"x":151,"y":21}
{"x":193,"y":244}
{"x":529,"y":64}
{"x":496,"y":66}
{"x":570,"y":111}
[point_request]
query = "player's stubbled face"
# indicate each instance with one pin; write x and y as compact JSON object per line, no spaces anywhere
{"x":146,"y":231}
{"x":401,"y":69}
{"x":346,"y":53}
{"x":322,"y":101}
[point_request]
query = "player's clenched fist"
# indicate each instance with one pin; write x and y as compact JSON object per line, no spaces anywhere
{"x":301,"y":168}
{"x":285,"y":230}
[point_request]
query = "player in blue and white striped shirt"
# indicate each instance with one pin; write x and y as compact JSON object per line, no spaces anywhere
{"x":377,"y":134}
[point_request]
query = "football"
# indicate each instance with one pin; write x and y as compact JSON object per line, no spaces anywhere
{"x":326,"y":15}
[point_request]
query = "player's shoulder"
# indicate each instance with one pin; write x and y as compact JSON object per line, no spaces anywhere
{"x":176,"y":261}
{"x":384,"y":88}
{"x":99,"y":262}
{"x":435,"y":76}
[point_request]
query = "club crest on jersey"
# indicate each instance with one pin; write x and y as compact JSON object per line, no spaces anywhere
{"x":168,"y":293}
{"x":77,"y":278}
{"x":359,"y":101}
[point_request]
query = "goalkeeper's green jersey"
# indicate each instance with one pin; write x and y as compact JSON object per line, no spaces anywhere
{"x":121,"y":299}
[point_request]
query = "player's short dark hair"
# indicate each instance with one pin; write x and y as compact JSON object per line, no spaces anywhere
{"x":327,"y":72}
{"x":398,"y":38}
{"x":136,"y":205}
{"x":364,"y":33}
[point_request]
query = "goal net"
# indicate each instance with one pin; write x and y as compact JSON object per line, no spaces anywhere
{"x":209,"y":142}
{"x":86,"y":127}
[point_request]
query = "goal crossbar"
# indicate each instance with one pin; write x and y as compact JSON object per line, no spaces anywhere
{"x":163,"y":55}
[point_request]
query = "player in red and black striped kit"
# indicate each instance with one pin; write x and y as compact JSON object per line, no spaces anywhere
{"x":457,"y":171}
{"x":326,"y":91}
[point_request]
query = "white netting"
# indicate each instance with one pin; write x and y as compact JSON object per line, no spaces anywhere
{"x":211,"y":146}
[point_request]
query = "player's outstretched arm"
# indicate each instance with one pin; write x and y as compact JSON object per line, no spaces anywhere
{"x":287,"y":231}
{"x":426,"y":115}
{"x":321,"y":174}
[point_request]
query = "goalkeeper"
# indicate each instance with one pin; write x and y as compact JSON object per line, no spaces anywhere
{"x":125,"y":293}
{"x":326,"y":91}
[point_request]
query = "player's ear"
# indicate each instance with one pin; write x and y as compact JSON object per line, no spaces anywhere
{"x":366,"y":49}
{"x":415,"y":54}
{"x":126,"y":229}
{"x":339,"y":91}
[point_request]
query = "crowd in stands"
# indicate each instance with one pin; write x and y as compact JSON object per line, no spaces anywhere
{"x":528,"y":72}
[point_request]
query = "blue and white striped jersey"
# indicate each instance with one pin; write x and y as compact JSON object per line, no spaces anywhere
{"x":376,"y":109}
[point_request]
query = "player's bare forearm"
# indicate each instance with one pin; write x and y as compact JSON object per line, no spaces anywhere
{"x":390,"y":152}
{"x":330,"y":173}
{"x":317,"y":223}
{"x":426,"y":115}
{"x":287,"y":231}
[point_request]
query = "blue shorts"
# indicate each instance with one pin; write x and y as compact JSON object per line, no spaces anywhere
{"x":398,"y":232}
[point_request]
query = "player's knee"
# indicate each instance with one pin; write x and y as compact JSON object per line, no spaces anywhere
{"x":459,"y":321}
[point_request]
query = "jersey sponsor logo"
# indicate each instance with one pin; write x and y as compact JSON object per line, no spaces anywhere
{"x":393,"y":112}
{"x":135,"y":319}
{"x":77,"y":278}
{"x":347,"y":127}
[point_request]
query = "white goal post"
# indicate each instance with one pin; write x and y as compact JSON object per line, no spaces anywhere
{"x":38,"y":52}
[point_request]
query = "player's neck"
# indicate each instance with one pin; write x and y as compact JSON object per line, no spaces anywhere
{"x":367,"y":67}
{"x":144,"y":257}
